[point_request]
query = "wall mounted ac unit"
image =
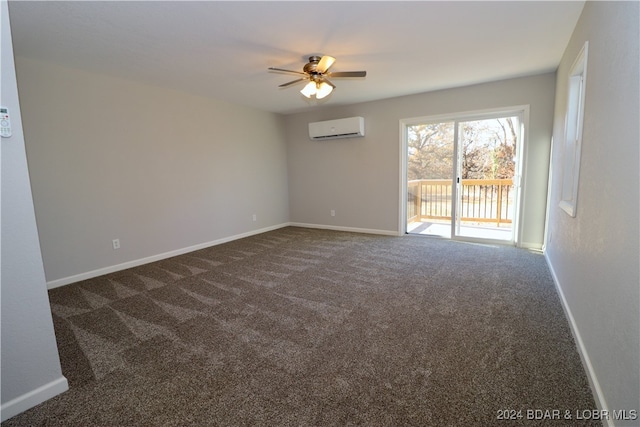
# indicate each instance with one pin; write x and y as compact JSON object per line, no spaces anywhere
{"x":334,"y":129}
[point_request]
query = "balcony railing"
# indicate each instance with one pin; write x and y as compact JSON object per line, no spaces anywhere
{"x":483,"y":200}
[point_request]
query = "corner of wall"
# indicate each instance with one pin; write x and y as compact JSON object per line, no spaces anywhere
{"x":30,"y":364}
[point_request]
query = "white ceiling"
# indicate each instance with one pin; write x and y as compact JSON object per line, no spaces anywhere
{"x":223,"y":49}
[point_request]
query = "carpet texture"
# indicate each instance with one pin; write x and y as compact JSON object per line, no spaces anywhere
{"x":302,"y":327}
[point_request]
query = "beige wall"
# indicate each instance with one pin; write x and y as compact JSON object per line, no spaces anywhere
{"x":595,"y":255}
{"x":360,"y":178}
{"x":158,"y":169}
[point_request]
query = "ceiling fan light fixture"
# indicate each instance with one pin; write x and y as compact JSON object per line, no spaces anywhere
{"x":309,"y":89}
{"x":324,"y":89}
{"x":316,"y":73}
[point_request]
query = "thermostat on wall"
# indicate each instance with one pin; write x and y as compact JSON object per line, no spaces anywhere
{"x":5,"y":123}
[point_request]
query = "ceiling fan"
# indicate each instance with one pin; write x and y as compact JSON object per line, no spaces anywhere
{"x":316,"y":72}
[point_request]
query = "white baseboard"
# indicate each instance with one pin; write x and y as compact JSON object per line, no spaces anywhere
{"x":601,"y":403}
{"x":134,"y":263}
{"x":33,"y":398}
{"x":530,"y":245}
{"x":349,"y":229}
{"x":129,"y":264}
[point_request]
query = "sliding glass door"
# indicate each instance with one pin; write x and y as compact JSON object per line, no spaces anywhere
{"x":462,"y":176}
{"x":486,"y":176}
{"x":430,"y":174}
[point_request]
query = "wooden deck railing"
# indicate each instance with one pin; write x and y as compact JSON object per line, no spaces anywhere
{"x":483,"y":200}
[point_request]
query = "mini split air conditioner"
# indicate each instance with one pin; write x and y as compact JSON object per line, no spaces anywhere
{"x":334,"y":129}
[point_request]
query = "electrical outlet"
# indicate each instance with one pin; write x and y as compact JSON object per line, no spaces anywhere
{"x":333,"y":212}
{"x":255,"y":217}
{"x":116,"y":243}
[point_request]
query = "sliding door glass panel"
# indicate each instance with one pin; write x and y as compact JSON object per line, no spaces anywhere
{"x":486,"y":169}
{"x":430,"y":178}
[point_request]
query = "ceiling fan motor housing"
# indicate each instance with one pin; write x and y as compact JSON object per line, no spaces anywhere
{"x":312,"y":65}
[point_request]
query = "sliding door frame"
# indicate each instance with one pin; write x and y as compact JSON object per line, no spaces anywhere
{"x":520,"y":110}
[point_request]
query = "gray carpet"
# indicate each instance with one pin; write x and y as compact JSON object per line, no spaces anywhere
{"x":301,"y":327}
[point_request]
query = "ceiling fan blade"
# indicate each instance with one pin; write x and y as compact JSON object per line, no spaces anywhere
{"x":286,"y":71}
{"x":325,"y":63}
{"x":326,"y":80}
{"x":292,"y":82}
{"x":348,"y":74}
